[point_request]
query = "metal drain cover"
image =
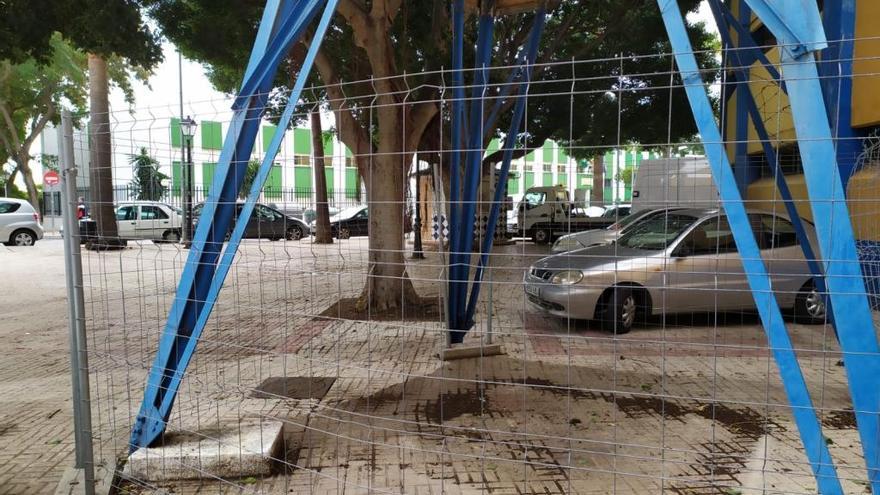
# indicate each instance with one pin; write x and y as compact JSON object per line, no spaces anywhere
{"x":294,"y":387}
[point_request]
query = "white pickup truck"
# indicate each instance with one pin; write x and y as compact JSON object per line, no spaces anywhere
{"x":546,"y":213}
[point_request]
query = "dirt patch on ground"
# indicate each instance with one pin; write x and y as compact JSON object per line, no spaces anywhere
{"x":293,"y":387}
{"x":451,"y":405}
{"x":425,"y":309}
{"x":841,"y":420}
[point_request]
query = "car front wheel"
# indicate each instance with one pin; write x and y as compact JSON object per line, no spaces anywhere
{"x":809,"y":307}
{"x":294,"y":234}
{"x":22,"y":238}
{"x":344,"y":233}
{"x":620,"y":310}
{"x":541,"y":236}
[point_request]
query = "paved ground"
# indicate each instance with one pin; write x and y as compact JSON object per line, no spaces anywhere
{"x":682,"y":406}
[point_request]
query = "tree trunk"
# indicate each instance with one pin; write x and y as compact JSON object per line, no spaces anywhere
{"x":11,"y":179}
{"x":23,"y":165}
{"x":597,"y":194}
{"x":100,"y":166}
{"x":323,"y":234}
{"x":388,"y":287}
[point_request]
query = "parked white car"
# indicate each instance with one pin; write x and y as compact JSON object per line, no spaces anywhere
{"x":150,"y":220}
{"x":19,"y":223}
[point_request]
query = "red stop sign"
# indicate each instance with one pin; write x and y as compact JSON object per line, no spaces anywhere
{"x":51,"y":178}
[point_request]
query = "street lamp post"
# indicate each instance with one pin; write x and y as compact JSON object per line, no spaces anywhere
{"x":188,"y":129}
{"x":418,"y":254}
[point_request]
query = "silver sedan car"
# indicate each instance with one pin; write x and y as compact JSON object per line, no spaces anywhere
{"x":682,"y":261}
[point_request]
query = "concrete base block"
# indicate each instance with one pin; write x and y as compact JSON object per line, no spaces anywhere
{"x":472,"y":351}
{"x":73,"y":481}
{"x":233,"y":450}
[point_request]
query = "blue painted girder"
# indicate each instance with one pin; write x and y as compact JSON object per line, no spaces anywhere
{"x":473,"y":162}
{"x":452,"y":299}
{"x":741,"y":61}
{"x":530,"y":53}
{"x":843,"y":275}
{"x":202,"y":276}
{"x":793,"y":381}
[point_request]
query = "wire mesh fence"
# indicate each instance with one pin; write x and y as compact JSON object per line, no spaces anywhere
{"x":633,"y":358}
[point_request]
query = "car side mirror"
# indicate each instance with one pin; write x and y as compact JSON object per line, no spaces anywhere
{"x":682,"y":251}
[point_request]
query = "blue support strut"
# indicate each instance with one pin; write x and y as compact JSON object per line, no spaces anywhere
{"x":509,"y":145}
{"x":455,"y":166}
{"x":747,"y":99}
{"x":843,"y":275}
{"x":201,"y":281}
{"x":793,"y":381}
{"x":473,"y":160}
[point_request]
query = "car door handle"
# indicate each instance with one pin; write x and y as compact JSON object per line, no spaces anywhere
{"x":165,"y":221}
{"x":134,"y":223}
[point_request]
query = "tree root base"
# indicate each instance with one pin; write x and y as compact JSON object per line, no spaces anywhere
{"x":356,"y":308}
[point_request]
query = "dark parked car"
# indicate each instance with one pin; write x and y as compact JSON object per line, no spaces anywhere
{"x":350,"y":222}
{"x":266,"y":223}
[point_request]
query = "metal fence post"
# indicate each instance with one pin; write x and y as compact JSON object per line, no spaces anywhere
{"x":68,"y":212}
{"x":82,"y":412}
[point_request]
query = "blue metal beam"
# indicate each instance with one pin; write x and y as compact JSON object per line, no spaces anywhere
{"x":756,"y":273}
{"x":852,"y":313}
{"x":185,"y":320}
{"x":799,"y":23}
{"x":747,"y":45}
{"x":746,"y":104}
{"x":290,"y":29}
{"x":473,"y":161}
{"x":510,"y":139}
{"x":836,"y":70}
{"x":247,"y":208}
{"x":455,"y":168}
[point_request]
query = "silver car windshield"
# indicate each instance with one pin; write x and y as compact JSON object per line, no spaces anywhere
{"x":656,"y":233}
{"x":631,"y":219}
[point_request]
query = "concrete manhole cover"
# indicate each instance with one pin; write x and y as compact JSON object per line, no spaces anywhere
{"x":293,"y":387}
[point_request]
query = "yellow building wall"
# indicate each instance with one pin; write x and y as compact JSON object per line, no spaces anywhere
{"x":863,"y":200}
{"x":866,"y":65}
{"x":772,"y":104}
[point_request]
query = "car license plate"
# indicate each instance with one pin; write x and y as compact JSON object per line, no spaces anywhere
{"x":533,"y":290}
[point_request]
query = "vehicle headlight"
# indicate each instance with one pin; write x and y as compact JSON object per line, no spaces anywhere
{"x":568,"y":277}
{"x":563,"y":245}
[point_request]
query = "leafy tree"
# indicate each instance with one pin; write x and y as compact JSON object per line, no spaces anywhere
{"x":147,"y":183}
{"x":27,"y":28}
{"x":118,"y":42}
{"x":31,"y":96}
{"x":250,"y":174}
{"x":378,"y":41}
{"x":49,"y":162}
{"x":626,"y":176}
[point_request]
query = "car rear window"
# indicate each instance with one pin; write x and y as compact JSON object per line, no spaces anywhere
{"x":7,"y":207}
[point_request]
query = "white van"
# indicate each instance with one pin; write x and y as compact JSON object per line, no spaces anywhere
{"x":674,"y":182}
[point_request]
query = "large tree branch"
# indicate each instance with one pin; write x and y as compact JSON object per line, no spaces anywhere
{"x":420,"y":117}
{"x":386,"y":9}
{"x":350,"y":131}
{"x":355,"y":14}
{"x":7,"y":119}
{"x":38,"y":125}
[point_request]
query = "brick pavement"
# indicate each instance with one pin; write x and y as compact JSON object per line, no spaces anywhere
{"x":678,"y":408}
